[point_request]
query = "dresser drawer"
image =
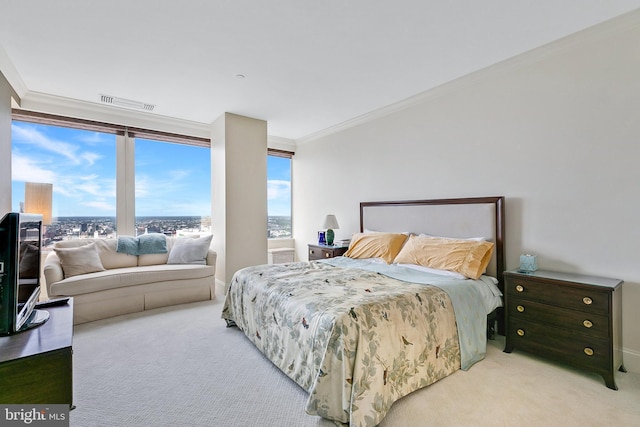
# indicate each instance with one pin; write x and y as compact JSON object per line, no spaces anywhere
{"x":317,"y":253}
{"x":584,"y":299}
{"x":324,"y":252}
{"x":591,"y":324}
{"x":560,"y":344}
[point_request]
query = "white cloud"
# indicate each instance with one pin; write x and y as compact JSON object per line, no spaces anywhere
{"x":277,"y":189}
{"x":91,"y":158}
{"x":92,"y":138}
{"x":101,"y":205}
{"x":28,"y":135}
{"x":26,"y":169}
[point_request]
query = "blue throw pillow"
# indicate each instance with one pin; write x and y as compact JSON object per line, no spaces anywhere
{"x":152,"y":243}
{"x":127,"y":245}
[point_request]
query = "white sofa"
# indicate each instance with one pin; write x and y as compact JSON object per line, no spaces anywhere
{"x":128,"y":283}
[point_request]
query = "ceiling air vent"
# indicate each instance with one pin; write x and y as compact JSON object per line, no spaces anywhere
{"x":126,"y":103}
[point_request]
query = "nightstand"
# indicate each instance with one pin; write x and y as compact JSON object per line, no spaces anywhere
{"x":324,"y":251}
{"x":571,"y":318}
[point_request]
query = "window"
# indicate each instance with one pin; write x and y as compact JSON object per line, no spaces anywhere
{"x":279,"y":194}
{"x":81,"y":167}
{"x":173,"y":188}
{"x":90,"y":168}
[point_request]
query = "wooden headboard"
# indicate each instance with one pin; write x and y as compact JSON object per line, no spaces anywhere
{"x":459,"y":218}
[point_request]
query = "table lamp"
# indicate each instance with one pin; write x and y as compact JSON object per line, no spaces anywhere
{"x":330,"y":223}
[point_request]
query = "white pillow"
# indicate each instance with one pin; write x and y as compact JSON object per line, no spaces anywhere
{"x":79,"y":260}
{"x":190,"y":250}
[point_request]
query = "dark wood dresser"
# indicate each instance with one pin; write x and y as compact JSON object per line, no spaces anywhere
{"x":571,"y":318}
{"x":324,"y":251}
{"x":36,"y":365}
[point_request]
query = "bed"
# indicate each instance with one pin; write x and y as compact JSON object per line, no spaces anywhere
{"x":359,"y":332}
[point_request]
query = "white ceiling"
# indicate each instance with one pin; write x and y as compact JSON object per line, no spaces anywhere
{"x":308,"y":65}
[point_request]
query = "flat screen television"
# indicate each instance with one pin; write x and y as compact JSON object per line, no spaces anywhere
{"x":20,"y":245}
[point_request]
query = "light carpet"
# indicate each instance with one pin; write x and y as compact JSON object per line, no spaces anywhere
{"x":181,"y":366}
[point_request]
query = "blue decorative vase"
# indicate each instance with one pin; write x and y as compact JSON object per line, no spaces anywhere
{"x":321,"y":237}
{"x":528,"y":263}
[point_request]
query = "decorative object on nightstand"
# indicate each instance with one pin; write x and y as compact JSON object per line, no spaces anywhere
{"x":528,"y":263}
{"x":330,"y":223}
{"x":321,"y":238}
{"x":572,"y":318}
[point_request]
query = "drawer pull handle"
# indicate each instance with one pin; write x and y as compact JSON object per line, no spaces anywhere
{"x":587,"y":300}
{"x":311,"y":251}
{"x":326,"y":255}
{"x":588,"y":351}
{"x":587,"y":323}
{"x":520,"y":309}
{"x":520,"y":332}
{"x":519,"y":288}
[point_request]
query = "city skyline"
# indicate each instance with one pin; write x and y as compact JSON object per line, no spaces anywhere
{"x":78,"y":227}
{"x":81,"y":165}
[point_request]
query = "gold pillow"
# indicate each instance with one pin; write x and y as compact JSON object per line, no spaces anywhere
{"x":376,"y":245}
{"x":467,"y":257}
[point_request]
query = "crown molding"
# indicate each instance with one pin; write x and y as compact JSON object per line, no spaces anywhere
{"x":41,"y":102}
{"x":617,"y":25}
{"x":10,"y":73}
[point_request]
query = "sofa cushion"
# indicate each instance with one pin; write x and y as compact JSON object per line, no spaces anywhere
{"x":109,"y":257}
{"x":190,"y":250}
{"x":129,"y":276}
{"x":79,"y":260}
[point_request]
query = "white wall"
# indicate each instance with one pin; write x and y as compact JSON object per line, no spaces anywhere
{"x":556,"y":131}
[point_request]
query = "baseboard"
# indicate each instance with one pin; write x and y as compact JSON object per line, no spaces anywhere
{"x":221,"y":288}
{"x":631,"y":360}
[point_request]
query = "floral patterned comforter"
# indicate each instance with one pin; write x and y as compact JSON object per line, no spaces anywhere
{"x":356,"y":340}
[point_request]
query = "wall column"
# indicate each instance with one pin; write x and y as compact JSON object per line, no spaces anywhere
{"x":238,"y":193}
{"x":6,"y":93}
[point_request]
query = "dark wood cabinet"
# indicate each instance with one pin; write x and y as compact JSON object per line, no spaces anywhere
{"x":323,"y":251}
{"x":36,"y":365}
{"x":571,"y":318}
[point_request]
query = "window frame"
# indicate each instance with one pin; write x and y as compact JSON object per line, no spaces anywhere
{"x":289,"y":155}
{"x":125,"y":154}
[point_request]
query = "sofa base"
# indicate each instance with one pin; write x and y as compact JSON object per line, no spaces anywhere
{"x":133,"y":299}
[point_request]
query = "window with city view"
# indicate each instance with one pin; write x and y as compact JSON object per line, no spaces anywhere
{"x":279,"y":196}
{"x":173,"y":188}
{"x":80,"y":164}
{"x":172,"y":183}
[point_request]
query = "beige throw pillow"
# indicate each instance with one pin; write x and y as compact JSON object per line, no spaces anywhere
{"x":79,"y":260}
{"x":467,"y":257}
{"x":376,"y":245}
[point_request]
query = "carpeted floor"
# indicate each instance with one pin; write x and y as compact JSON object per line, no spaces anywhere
{"x":180,"y":366}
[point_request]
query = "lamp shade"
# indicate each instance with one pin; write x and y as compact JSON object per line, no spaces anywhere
{"x":37,"y":200}
{"x":330,"y":222}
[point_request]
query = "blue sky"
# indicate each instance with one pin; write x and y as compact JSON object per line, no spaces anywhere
{"x":171,"y":179}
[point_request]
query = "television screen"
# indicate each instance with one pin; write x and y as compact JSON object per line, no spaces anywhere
{"x":20,"y":244}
